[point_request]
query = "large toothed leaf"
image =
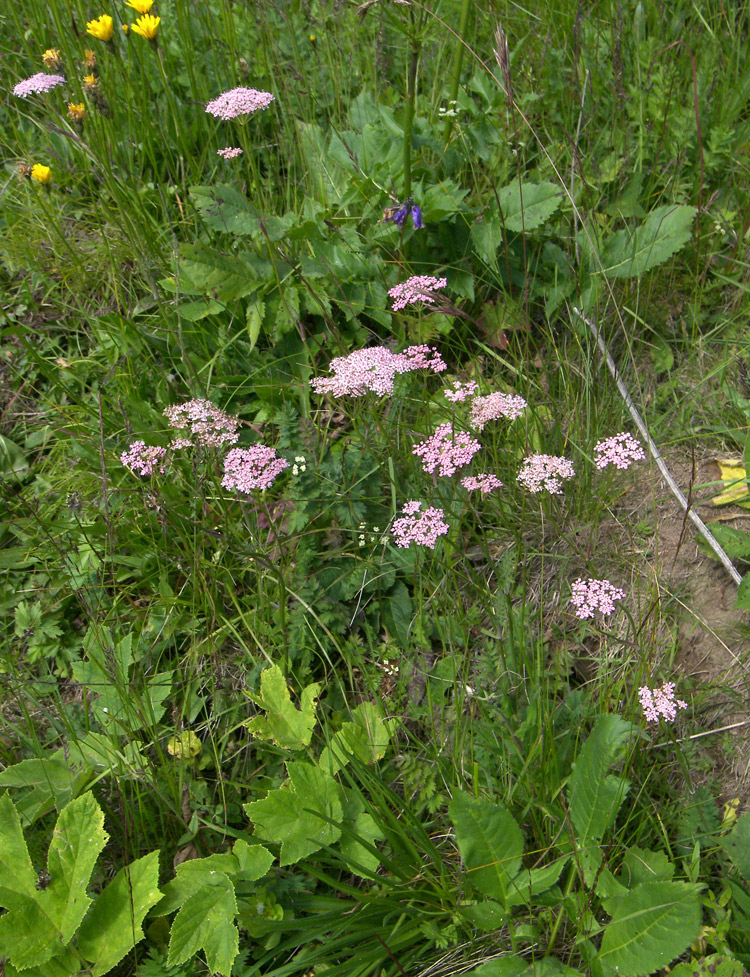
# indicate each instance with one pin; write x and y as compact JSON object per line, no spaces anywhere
{"x":283,"y":724}
{"x":490,"y":842}
{"x":629,"y":253}
{"x":206,"y":922}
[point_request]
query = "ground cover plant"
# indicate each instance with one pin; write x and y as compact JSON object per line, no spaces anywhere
{"x":342,"y":631}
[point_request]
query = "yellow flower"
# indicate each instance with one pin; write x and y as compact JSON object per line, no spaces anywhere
{"x":40,"y":173}
{"x":140,"y":6}
{"x":125,"y":28}
{"x":76,"y":111}
{"x":101,"y":28}
{"x":90,"y":83}
{"x":51,"y":59}
{"x":146,"y":26}
{"x":89,"y":60}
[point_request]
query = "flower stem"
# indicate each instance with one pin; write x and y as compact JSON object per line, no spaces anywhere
{"x":458,"y":58}
{"x":411,"y":82}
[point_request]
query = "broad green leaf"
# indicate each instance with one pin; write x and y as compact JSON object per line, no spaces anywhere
{"x":737,"y":844}
{"x":529,"y":205}
{"x":254,"y":312}
{"x":191,"y":876}
{"x":714,"y":965}
{"x":17,"y":875}
{"x":360,"y":859}
{"x":113,"y":927}
{"x":224,"y":208}
{"x":77,"y":840}
{"x":206,"y":922}
{"x":205,"y":271}
{"x":517,"y":967}
{"x":531,"y":882}
{"x":641,"y":865}
{"x":652,"y":925}
{"x":488,"y":915}
{"x":52,"y":776}
{"x":283,"y":724}
{"x":253,"y":860}
{"x":292,"y":814}
{"x":487,"y":237}
{"x":28,"y":936}
{"x":365,"y":738}
{"x":594,"y":795}
{"x":195,"y":311}
{"x":63,"y":965}
{"x":628,"y":254}
{"x":490,"y":843}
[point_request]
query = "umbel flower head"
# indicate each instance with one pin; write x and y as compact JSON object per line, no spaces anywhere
{"x":621,"y":450}
{"x":591,"y":597}
{"x":418,"y":288}
{"x":38,"y":83}
{"x":140,"y":6}
{"x":239,"y":102}
{"x":52,"y":61}
{"x":420,"y":528}
{"x":146,"y":26}
{"x":375,"y":368}
{"x":208,"y":425}
{"x":246,"y":469}
{"x":229,"y":152}
{"x":660,"y":703}
{"x":540,"y":472}
{"x":446,"y":450}
{"x":101,"y":28}
{"x":42,"y":174}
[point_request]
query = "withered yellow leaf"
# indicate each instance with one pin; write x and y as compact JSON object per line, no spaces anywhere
{"x":734,"y":476}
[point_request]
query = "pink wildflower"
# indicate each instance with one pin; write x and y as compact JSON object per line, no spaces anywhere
{"x":540,"y":472}
{"x":621,"y":450}
{"x":594,"y":596}
{"x":460,"y":391}
{"x":485,"y":483}
{"x":229,"y":152}
{"x":660,"y":703}
{"x":422,"y":528}
{"x":208,"y":425}
{"x":40,"y":82}
{"x":374,"y":369}
{"x":246,"y":469}
{"x":239,"y":101}
{"x":446,"y":450}
{"x":143,"y":459}
{"x":489,"y":408}
{"x":418,"y":288}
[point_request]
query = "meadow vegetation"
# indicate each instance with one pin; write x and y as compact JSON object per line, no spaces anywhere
{"x":332,"y":641}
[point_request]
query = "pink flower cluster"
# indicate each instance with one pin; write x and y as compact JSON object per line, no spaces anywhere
{"x":246,"y":469}
{"x":485,"y":483}
{"x":540,"y":472}
{"x":418,"y":288}
{"x":239,"y":101}
{"x":40,"y":82}
{"x":421,"y":528}
{"x":375,"y":368}
{"x":143,"y":459}
{"x":489,"y":408}
{"x":460,"y":391}
{"x":446,"y":450}
{"x":621,"y":450}
{"x":660,"y":703}
{"x":229,"y":152}
{"x":209,"y":426}
{"x":591,"y":597}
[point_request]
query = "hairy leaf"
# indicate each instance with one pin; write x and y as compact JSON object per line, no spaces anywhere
{"x":490,"y":843}
{"x":206,"y":922}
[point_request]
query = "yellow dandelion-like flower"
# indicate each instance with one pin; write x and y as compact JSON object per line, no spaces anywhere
{"x":89,"y":60}
{"x":101,"y":28}
{"x":51,"y":60}
{"x":40,"y":173}
{"x":76,"y":111}
{"x":125,"y":28}
{"x":90,"y":83}
{"x":146,"y":26}
{"x":140,"y":6}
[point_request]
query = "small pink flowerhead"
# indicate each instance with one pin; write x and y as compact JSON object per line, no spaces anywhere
{"x":37,"y":84}
{"x":420,"y":528}
{"x":418,"y":288}
{"x":239,"y":102}
{"x":539,"y":472}
{"x":591,"y":597}
{"x":660,"y":703}
{"x":492,"y":406}
{"x":621,"y":450}
{"x":485,"y":483}
{"x":246,"y":469}
{"x":143,"y":459}
{"x":446,"y":450}
{"x":458,"y":392}
{"x":229,"y":152}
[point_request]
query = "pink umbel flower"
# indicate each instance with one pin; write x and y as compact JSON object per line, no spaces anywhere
{"x":458,"y":392}
{"x":446,"y":450}
{"x":421,"y":528}
{"x":143,"y":459}
{"x":621,"y":450}
{"x":229,"y":152}
{"x":246,"y":469}
{"x":591,"y":597}
{"x":239,"y":101}
{"x":418,"y":288}
{"x":485,"y":483}
{"x":539,"y":472}
{"x":209,"y":426}
{"x":38,"y":83}
{"x":374,"y":369}
{"x":660,"y":703}
{"x":492,"y":406}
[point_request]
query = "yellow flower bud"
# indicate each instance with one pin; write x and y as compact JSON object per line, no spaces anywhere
{"x":42,"y":174}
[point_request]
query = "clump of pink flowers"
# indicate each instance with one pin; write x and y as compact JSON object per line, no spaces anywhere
{"x":492,"y":406}
{"x":375,"y":369}
{"x":548,"y":472}
{"x":591,"y":597}
{"x":458,"y":392}
{"x":621,"y":450}
{"x":421,"y":528}
{"x":418,"y":288}
{"x":208,"y":425}
{"x":246,"y":469}
{"x":446,"y":450}
{"x":485,"y":483}
{"x":38,"y":83}
{"x":660,"y":703}
{"x":143,"y":459}
{"x":229,"y":152}
{"x":239,"y":101}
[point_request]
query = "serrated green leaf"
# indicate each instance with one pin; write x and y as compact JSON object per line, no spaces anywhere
{"x":641,"y":865}
{"x":529,"y":205}
{"x":113,"y":927}
{"x":206,"y":922}
{"x":28,"y":936}
{"x":292,"y":814}
{"x":737,"y":845}
{"x":51,"y":775}
{"x":224,"y":208}
{"x":531,"y":882}
{"x":195,"y":311}
{"x":627,"y":254}
{"x":365,"y":738}
{"x":283,"y":724}
{"x":17,"y":875}
{"x":67,"y":963}
{"x":253,"y":860}
{"x":359,"y":858}
{"x":254,"y":312}
{"x":652,"y":925}
{"x":490,"y":842}
{"x":191,"y":876}
{"x":714,"y":965}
